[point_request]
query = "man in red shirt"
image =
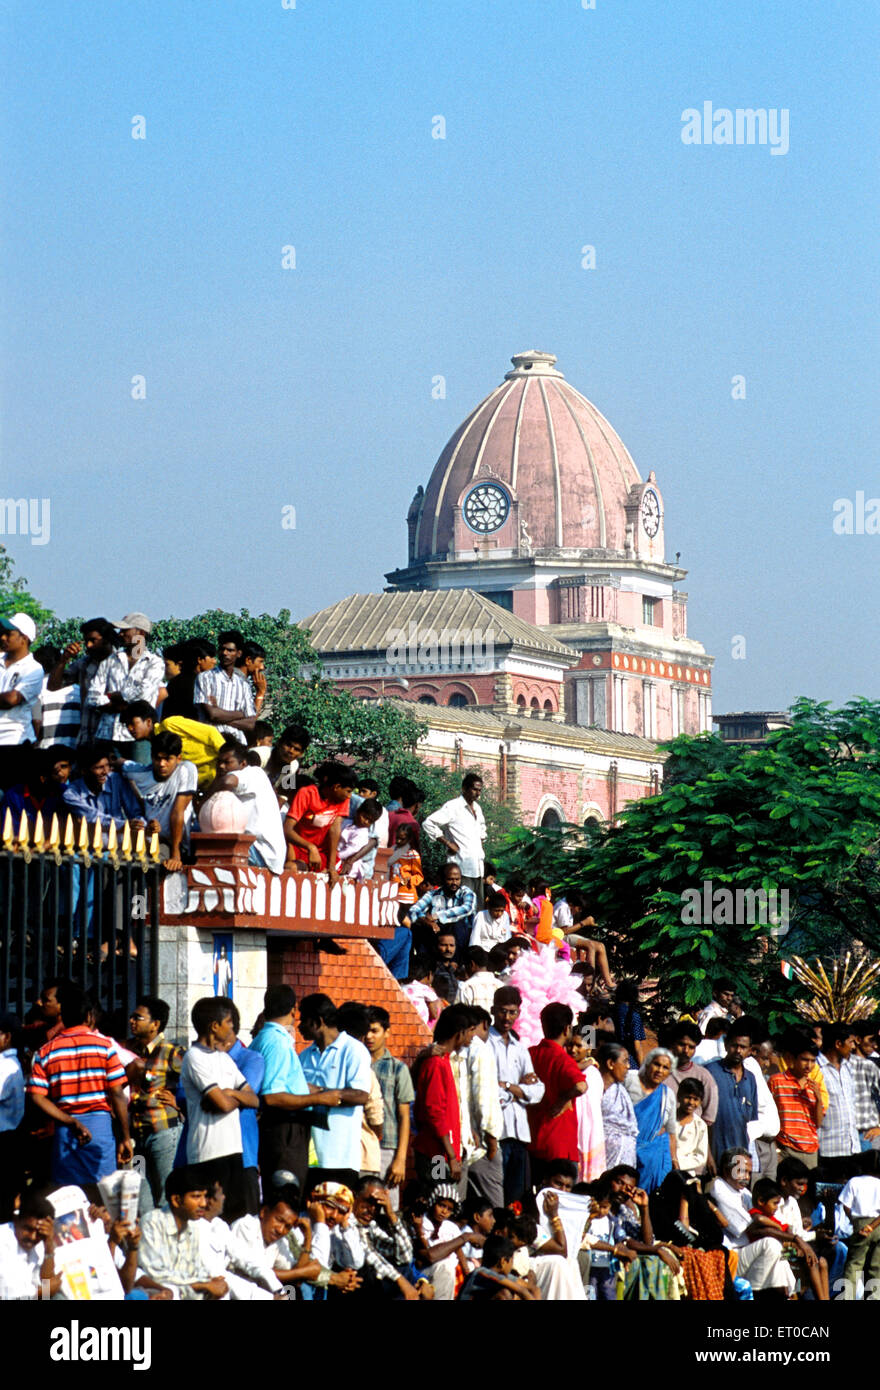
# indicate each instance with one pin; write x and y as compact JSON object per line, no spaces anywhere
{"x":437,"y":1144}
{"x":77,"y":1081}
{"x":553,"y":1121}
{"x":314,"y":820}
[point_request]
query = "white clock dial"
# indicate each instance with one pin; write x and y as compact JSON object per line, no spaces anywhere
{"x":486,"y":508}
{"x":651,"y":512}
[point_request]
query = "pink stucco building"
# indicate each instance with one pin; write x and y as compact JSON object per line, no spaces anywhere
{"x":535,"y":526}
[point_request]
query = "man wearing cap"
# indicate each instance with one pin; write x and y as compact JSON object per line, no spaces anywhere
{"x":132,"y":673}
{"x":21,"y":679}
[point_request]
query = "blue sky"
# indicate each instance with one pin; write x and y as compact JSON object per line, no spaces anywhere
{"x":311,"y":387}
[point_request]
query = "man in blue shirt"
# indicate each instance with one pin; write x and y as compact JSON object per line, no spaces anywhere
{"x":252,"y":1066}
{"x":285,"y":1095}
{"x":102,"y":795}
{"x":342,"y":1064}
{"x":452,"y":906}
{"x":737,"y":1092}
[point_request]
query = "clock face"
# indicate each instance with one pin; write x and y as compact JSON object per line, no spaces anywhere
{"x":651,"y":512}
{"x":486,"y":508}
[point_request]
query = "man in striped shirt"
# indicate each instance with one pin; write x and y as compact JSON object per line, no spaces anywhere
{"x":223,"y":697}
{"x":838,"y":1135}
{"x":798,"y":1101}
{"x":77,"y":1080}
{"x":866,"y":1083}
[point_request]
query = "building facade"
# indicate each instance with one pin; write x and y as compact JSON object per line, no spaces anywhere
{"x":536,"y":503}
{"x":537,"y":623}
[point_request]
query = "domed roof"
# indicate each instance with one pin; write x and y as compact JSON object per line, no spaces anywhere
{"x":569,"y":469}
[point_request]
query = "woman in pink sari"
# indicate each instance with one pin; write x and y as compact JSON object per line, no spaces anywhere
{"x":591,"y":1131}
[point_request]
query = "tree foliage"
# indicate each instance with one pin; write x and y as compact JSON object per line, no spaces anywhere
{"x":800,"y":814}
{"x":15,"y":597}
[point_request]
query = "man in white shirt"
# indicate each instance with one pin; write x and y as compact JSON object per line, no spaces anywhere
{"x":761,"y":1261}
{"x":765,"y":1126}
{"x":860,"y":1199}
{"x":21,"y":679}
{"x":172,"y":1253}
{"x":254,"y":789}
{"x":27,"y":1252}
{"x":713,"y":1045}
{"x":166,"y":788}
{"x":519,"y":1088}
{"x":459,"y":824}
{"x":722,"y":998}
{"x":258,"y":1249}
{"x":129,"y":674}
{"x":215,"y":1091}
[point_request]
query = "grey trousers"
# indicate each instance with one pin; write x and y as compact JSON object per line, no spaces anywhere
{"x":386,"y":1158}
{"x":767,"y":1157}
{"x":485,"y":1178}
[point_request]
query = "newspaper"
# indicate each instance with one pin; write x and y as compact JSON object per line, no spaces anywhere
{"x":82,"y":1255}
{"x":120,"y":1193}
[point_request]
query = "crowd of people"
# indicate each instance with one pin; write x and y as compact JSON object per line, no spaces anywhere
{"x":737,"y":1166}
{"x":621,"y":1155}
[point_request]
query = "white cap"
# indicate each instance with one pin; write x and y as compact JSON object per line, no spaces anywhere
{"x":23,"y":623}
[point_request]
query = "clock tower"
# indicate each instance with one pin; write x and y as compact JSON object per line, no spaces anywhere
{"x":536,"y":503}
{"x":644,"y":520}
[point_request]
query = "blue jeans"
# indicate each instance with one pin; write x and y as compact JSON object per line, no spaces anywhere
{"x":159,"y":1151}
{"x":256,"y":858}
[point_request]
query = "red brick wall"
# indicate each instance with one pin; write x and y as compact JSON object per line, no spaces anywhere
{"x":357,"y":973}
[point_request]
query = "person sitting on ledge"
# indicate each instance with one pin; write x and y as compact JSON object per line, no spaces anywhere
{"x":252,"y":787}
{"x":313,"y":823}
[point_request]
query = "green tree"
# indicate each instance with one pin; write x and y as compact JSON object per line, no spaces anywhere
{"x":800,"y":814}
{"x":16,"y":598}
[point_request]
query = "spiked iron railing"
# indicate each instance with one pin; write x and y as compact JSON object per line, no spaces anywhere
{"x":79,"y":902}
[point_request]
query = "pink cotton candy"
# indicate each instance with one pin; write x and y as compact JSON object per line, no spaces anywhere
{"x":541,"y":979}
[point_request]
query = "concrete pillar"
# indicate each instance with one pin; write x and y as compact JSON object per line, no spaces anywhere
{"x":186,"y":972}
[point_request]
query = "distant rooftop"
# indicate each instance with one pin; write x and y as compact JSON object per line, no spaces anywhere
{"x":751,"y":726}
{"x":368,"y":622}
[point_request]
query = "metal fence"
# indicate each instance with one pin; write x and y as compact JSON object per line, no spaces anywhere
{"x":79,"y":904}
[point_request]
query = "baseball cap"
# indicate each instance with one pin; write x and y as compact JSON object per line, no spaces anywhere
{"x":138,"y":620}
{"x":21,"y":622}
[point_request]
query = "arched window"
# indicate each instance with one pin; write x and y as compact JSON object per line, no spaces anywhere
{"x":548,"y":706}
{"x":427,"y":700}
{"x":535,"y":704}
{"x":457,"y":701}
{"x":551,"y":817}
{"x":520,"y":701}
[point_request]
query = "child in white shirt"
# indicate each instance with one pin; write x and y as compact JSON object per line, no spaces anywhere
{"x":491,"y":926}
